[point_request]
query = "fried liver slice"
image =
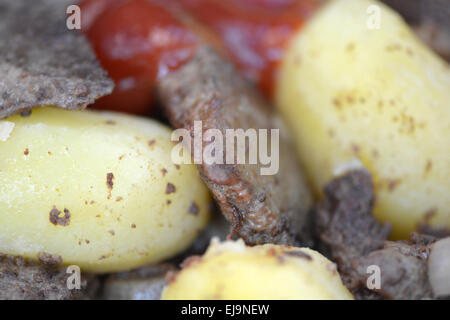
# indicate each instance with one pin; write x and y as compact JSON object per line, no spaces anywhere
{"x":345,"y":223}
{"x":25,"y":280}
{"x":42,"y":62}
{"x":261,"y":208}
{"x":351,"y":237}
{"x":403,"y":269}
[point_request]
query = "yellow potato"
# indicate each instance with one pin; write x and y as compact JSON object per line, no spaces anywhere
{"x":354,"y":94}
{"x":129,"y":205}
{"x":230,"y":270}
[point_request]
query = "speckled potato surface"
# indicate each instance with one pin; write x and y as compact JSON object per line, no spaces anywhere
{"x":377,"y":96}
{"x":230,"y":270}
{"x":98,"y":190}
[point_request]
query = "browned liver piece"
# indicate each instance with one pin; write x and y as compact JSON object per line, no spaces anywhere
{"x":42,"y":62}
{"x":261,"y":208}
{"x":25,"y":280}
{"x":350,"y":236}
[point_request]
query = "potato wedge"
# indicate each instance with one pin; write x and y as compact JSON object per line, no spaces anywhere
{"x":355,"y":93}
{"x":97,"y":190}
{"x":230,"y":270}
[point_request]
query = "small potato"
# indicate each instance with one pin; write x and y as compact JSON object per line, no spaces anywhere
{"x":230,"y":270}
{"x":98,"y":190}
{"x":357,"y":92}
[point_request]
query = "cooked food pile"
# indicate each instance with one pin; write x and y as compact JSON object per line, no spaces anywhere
{"x":358,"y":207}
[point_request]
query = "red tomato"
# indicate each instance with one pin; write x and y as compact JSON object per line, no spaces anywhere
{"x":92,"y":9}
{"x":136,"y":41}
{"x":254,"y":32}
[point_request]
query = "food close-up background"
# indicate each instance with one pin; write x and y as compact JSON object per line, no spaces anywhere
{"x":349,"y":101}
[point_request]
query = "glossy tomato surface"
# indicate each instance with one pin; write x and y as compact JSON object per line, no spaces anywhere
{"x":139,"y":41}
{"x":136,"y":41}
{"x":254,"y":32}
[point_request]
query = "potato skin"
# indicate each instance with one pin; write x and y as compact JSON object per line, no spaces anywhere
{"x":376,"y":95}
{"x":230,"y":270}
{"x":128,"y":204}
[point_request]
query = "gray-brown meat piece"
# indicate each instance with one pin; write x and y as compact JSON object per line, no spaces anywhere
{"x":261,"y":208}
{"x":24,"y":280}
{"x":403,"y":270}
{"x":42,"y":62}
{"x":351,"y":236}
{"x":345,"y":224}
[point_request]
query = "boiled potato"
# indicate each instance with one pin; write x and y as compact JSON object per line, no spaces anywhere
{"x":356,"y":94}
{"x":230,"y":270}
{"x":98,"y":190}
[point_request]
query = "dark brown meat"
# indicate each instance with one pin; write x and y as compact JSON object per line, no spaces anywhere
{"x":261,"y":208}
{"x":345,"y":223}
{"x":352,"y":237}
{"x":23,"y":280}
{"x":42,"y":62}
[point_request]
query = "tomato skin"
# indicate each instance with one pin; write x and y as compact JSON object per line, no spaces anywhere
{"x":254,"y":32}
{"x":136,"y":41}
{"x":92,"y":9}
{"x":139,"y":41}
